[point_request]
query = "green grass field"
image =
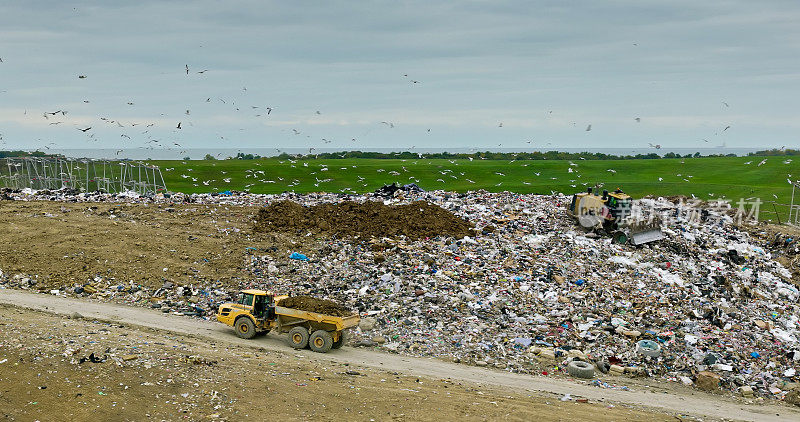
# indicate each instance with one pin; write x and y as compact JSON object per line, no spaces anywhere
{"x":706,"y":178}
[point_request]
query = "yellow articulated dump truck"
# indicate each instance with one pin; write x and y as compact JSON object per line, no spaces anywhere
{"x":259,"y":311}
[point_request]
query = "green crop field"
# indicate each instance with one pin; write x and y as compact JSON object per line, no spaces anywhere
{"x":706,"y":178}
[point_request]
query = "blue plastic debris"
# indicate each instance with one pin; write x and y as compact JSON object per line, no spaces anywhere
{"x":298,"y":256}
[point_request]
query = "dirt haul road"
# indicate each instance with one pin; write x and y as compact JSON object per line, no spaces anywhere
{"x":691,"y":402}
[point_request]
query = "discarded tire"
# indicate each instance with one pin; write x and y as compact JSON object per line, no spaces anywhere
{"x":648,"y":348}
{"x":580,"y":369}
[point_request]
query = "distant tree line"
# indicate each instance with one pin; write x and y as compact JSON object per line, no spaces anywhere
{"x":9,"y":154}
{"x":489,"y":155}
{"x":775,"y":151}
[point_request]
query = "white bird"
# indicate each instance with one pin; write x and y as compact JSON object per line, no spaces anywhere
{"x":498,"y":173}
{"x":787,"y":161}
{"x":660,"y":179}
{"x":749,"y":162}
{"x":611,"y":171}
{"x":762,"y":162}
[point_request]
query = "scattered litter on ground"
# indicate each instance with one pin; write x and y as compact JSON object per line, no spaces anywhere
{"x":509,"y":281}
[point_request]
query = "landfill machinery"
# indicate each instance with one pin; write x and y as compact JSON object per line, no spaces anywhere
{"x":610,"y":213}
{"x":258,"y":311}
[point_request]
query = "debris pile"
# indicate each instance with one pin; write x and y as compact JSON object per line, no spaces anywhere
{"x":527,"y":290}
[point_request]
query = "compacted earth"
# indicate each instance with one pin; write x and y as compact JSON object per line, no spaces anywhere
{"x":71,"y":368}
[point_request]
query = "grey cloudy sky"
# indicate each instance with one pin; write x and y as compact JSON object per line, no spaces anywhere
{"x":544,"y":69}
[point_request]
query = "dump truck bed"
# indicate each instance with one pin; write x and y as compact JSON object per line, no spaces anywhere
{"x":340,"y":323}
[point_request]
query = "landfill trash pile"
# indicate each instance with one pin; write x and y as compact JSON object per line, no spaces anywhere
{"x":532,"y":292}
{"x":368,"y":218}
{"x":529,"y":291}
{"x":312,"y":304}
{"x":395,"y":190}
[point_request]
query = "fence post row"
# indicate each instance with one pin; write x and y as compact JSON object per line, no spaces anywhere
{"x":81,"y":174}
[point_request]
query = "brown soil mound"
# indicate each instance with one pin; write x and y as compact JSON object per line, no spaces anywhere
{"x":312,"y":304}
{"x":415,"y":221}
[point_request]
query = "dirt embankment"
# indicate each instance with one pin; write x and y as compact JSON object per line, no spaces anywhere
{"x":371,"y":219}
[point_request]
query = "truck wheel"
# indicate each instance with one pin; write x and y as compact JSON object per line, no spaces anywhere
{"x":321,"y":341}
{"x":339,"y":343}
{"x":298,"y":337}
{"x":245,"y":328}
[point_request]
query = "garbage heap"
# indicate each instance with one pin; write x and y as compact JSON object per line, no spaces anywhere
{"x":529,"y":291}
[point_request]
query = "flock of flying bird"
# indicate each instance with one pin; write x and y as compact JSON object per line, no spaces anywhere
{"x":60,"y":116}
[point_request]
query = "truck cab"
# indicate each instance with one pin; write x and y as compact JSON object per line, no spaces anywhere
{"x":254,"y":306}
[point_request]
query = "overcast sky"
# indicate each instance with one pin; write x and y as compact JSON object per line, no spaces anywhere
{"x":490,"y":73}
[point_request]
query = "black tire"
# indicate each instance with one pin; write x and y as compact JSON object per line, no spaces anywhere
{"x":298,"y":337}
{"x":580,"y":369}
{"x":245,"y":328}
{"x":320,"y":341}
{"x":339,"y":343}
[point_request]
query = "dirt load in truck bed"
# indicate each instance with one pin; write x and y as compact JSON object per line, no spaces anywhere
{"x":312,"y":304}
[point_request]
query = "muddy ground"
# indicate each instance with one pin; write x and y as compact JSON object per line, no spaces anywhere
{"x":147,"y":374}
{"x":65,"y":243}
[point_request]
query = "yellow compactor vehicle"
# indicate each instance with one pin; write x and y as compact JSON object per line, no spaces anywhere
{"x":611,"y":213}
{"x":258,"y":311}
